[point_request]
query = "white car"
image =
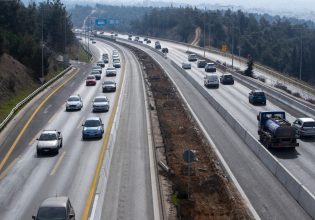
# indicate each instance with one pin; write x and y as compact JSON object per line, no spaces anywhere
{"x":111,"y":71}
{"x":116,"y":64}
{"x":74,"y":102}
{"x":211,"y":80}
{"x":305,"y":127}
{"x":186,"y":65}
{"x":101,"y":104}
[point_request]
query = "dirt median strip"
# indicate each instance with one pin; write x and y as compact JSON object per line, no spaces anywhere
{"x":212,"y":195}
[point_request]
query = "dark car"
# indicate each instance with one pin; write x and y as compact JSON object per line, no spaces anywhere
{"x":109,"y":86}
{"x":55,"y":208}
{"x":101,"y":63}
{"x":210,"y":67}
{"x":227,"y":79}
{"x":164,"y":50}
{"x":148,"y":41}
{"x":201,"y":63}
{"x":257,"y":97}
{"x":93,"y":127}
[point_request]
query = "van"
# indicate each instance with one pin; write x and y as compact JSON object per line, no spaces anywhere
{"x":211,"y":80}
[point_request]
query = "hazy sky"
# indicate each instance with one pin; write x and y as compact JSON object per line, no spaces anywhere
{"x":290,"y":5}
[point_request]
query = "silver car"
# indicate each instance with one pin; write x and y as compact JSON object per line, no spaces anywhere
{"x":116,"y":64}
{"x":55,"y":208}
{"x":186,"y":65}
{"x":305,"y":127}
{"x":100,"y":104}
{"x":74,"y":102}
{"x":50,"y":141}
{"x":109,"y":86}
{"x":111,"y":71}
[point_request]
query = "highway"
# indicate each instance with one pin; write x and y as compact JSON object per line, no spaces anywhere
{"x":27,"y":180}
{"x":269,"y":198}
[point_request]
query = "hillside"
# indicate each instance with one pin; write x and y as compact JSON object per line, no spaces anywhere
{"x":16,"y":82}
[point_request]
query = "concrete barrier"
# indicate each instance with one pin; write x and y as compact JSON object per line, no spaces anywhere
{"x":268,"y":159}
{"x":307,"y":201}
{"x":291,"y":183}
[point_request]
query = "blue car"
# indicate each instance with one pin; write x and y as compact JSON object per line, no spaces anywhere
{"x":257,"y":97}
{"x":93,"y":127}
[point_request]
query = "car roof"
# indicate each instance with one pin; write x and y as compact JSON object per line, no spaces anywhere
{"x":227,"y":74}
{"x":201,"y":61}
{"x":210,"y":63}
{"x":49,"y":131}
{"x":257,"y":90}
{"x":93,"y":118}
{"x":60,"y":201}
{"x":90,"y":76}
{"x":306,"y":119}
{"x":101,"y":97}
{"x":211,"y":74}
{"x":74,"y":96}
{"x":109,"y":81}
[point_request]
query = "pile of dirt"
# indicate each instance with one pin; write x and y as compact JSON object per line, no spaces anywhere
{"x":14,"y":77}
{"x":211,"y":195}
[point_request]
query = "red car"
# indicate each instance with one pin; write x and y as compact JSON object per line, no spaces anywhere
{"x":90,"y":80}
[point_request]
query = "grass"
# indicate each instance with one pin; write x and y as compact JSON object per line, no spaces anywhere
{"x":83,"y":55}
{"x":7,"y":106}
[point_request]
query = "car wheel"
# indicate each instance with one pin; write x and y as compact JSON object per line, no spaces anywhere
{"x":57,"y":151}
{"x":38,"y":153}
{"x":61,"y":144}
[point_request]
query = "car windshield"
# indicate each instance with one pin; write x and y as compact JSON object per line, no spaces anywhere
{"x":92,"y":123}
{"x":73,"y":99}
{"x":227,"y":76}
{"x":51,"y":213}
{"x":309,"y":124}
{"x":108,"y":83}
{"x":48,"y":137}
{"x":259,"y":94}
{"x":111,"y":68}
{"x":100,"y":100}
{"x":90,"y":77}
{"x":116,"y":61}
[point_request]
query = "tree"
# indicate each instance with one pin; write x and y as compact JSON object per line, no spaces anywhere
{"x":250,"y":65}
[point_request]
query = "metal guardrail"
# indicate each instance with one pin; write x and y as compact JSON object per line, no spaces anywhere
{"x":29,"y":97}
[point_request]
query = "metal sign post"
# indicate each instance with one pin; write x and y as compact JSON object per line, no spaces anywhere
{"x":189,"y":157}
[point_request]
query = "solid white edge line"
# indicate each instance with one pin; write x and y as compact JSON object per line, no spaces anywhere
{"x":223,"y":162}
{"x":94,"y":206}
{"x":153,"y":174}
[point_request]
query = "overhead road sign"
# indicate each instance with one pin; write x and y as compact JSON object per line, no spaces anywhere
{"x":100,"y":22}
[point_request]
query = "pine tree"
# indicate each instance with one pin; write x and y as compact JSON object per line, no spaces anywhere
{"x":250,"y":65}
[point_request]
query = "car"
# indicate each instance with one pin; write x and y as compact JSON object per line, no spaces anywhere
{"x":130,"y":35}
{"x":93,"y":42}
{"x":49,"y":141}
{"x":100,"y":63}
{"x":116,"y":34}
{"x":55,"y":208}
{"x":227,"y":79}
{"x":116,"y":60}
{"x":257,"y":97}
{"x":105,"y":59}
{"x":100,"y":104}
{"x":211,"y":80}
{"x":104,"y":55}
{"x":135,"y":39}
{"x":93,"y":127}
{"x":192,"y":57}
{"x":97,"y":68}
{"x":111,"y":71}
{"x":115,"y":56}
{"x":109,"y":86}
{"x":145,"y":39}
{"x":164,"y":50}
{"x":305,"y":127}
{"x":148,"y":41}
{"x":186,"y":65}
{"x":140,"y":41}
{"x":210,"y":67}
{"x":201,"y":63}
{"x":90,"y":80}
{"x":116,"y":64}
{"x":97,"y":74}
{"x":129,"y":38}
{"x":157,"y":46}
{"x":74,"y":102}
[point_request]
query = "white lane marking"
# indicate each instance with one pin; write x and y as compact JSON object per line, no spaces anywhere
{"x":58,"y":163}
{"x":5,"y":172}
{"x":94,"y":207}
{"x":80,"y":123}
{"x":72,"y":84}
{"x":46,"y":109}
{"x":34,"y":138}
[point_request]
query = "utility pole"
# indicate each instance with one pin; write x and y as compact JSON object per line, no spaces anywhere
{"x":232,"y":40}
{"x":301,"y":56}
{"x":42,"y":78}
{"x":204,"y":34}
